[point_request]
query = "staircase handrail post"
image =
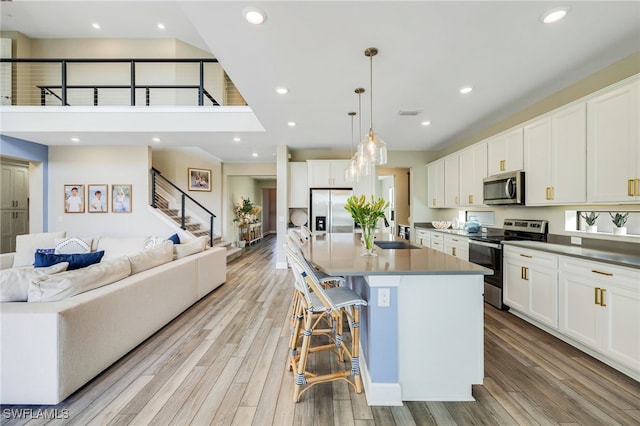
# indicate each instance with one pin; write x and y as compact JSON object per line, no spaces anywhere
{"x":183,"y":212}
{"x":63,"y":65}
{"x":153,"y":188}
{"x":211,"y":230}
{"x":133,"y":82}
{"x":201,"y":86}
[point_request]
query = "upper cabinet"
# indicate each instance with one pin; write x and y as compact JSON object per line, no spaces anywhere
{"x":613,"y":146}
{"x":451,"y":190}
{"x":473,"y":168}
{"x":435,"y":183}
{"x":555,"y":157}
{"x":298,"y":188}
{"x":505,"y":152}
{"x":327,"y":174}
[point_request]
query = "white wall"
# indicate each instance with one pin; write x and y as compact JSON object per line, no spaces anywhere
{"x":173,"y":164}
{"x":103,"y":165}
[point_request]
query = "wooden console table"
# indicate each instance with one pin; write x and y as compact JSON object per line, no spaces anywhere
{"x":251,"y":233}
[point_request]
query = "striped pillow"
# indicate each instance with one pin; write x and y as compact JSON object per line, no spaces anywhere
{"x":73,"y":245}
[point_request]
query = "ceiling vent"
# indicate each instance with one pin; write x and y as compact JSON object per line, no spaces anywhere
{"x":409,"y":111}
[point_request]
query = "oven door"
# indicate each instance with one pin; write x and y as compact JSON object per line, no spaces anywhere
{"x":489,"y":255}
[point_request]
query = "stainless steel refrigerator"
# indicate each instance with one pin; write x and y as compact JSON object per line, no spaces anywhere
{"x":327,"y":210}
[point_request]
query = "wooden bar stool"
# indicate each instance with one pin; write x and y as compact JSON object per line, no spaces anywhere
{"x":333,"y":303}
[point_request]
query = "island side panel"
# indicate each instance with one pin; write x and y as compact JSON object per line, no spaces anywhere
{"x":440,"y":336}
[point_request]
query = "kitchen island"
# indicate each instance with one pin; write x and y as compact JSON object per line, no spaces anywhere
{"x":422,"y":333}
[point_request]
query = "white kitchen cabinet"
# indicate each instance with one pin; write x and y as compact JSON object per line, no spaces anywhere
{"x":600,"y":308}
{"x":613,"y":145}
{"x":327,"y":174}
{"x":298,"y":188}
{"x":437,"y":241}
{"x":472,"y":169}
{"x":451,"y":175}
{"x":14,"y":223}
{"x":423,"y":237}
{"x":531,"y":284}
{"x":435,"y":183}
{"x":457,"y":246}
{"x":555,"y":149}
{"x":14,"y":187}
{"x":505,"y":152}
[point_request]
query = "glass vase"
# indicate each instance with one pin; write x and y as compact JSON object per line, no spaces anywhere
{"x":368,"y":233}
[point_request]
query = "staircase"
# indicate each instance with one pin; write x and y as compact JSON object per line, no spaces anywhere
{"x":190,"y":225}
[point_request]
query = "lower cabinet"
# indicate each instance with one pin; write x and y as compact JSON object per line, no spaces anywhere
{"x":457,"y":246}
{"x":531,"y":284}
{"x":12,"y":224}
{"x":423,"y":237}
{"x":600,"y":308}
{"x":437,"y":241}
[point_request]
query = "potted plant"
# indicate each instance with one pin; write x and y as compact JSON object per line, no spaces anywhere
{"x":618,"y":221}
{"x":591,"y":221}
{"x":366,"y":213}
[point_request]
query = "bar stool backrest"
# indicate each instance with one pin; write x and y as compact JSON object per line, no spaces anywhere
{"x":296,"y":237}
{"x":306,"y":271}
{"x":301,"y":285}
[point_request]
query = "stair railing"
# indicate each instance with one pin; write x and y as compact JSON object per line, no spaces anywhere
{"x":156,"y":178}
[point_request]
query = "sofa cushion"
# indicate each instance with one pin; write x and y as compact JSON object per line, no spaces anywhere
{"x":114,"y":247}
{"x":27,"y":244}
{"x":70,"y":283}
{"x":73,"y":245}
{"x":14,"y":283}
{"x":76,"y":261}
{"x":190,"y":247}
{"x":147,"y":259}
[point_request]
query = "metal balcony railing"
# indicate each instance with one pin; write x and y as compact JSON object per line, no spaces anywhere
{"x":116,"y":82}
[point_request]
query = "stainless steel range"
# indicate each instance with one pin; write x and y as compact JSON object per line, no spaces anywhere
{"x":486,"y":250}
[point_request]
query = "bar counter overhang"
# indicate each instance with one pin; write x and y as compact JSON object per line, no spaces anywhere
{"x":426,"y":341}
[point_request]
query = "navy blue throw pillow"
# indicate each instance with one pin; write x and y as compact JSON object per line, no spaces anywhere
{"x":76,"y":261}
{"x":46,"y":251}
{"x":174,"y":238}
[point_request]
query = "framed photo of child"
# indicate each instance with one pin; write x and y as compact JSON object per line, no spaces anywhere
{"x":74,"y":198}
{"x":121,"y":198}
{"x":98,"y":199}
{"x":199,"y":180}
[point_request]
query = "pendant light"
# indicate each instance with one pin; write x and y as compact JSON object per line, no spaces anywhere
{"x":372,"y":149}
{"x":362,"y":166}
{"x":351,"y":172}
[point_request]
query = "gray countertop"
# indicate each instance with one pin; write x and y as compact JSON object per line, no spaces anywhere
{"x":340,"y":254}
{"x":620,"y":259}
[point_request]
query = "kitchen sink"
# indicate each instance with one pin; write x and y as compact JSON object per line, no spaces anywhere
{"x":394,"y":245}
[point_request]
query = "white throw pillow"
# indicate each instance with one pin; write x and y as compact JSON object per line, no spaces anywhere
{"x":27,"y":244}
{"x":14,"y":283}
{"x":73,"y":245}
{"x":120,"y":246}
{"x":147,"y":259}
{"x":190,"y":247}
{"x":70,"y":283}
{"x":153,"y":241}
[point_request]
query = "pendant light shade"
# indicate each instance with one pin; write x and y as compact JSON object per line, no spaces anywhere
{"x":372,"y":149}
{"x":351,"y":172}
{"x":363,"y":167}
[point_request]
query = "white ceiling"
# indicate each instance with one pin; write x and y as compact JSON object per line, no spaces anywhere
{"x":427,"y":51}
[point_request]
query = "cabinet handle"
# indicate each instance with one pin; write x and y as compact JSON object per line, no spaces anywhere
{"x":453,"y":251}
{"x":602,"y":290}
{"x":595,"y":271}
{"x":596,"y":294}
{"x":637,"y":188}
{"x":549,"y":193}
{"x":524,"y":273}
{"x":456,"y":200}
{"x":470,"y":198}
{"x":630,"y":187}
{"x":502,"y":165}
{"x":433,"y":201}
{"x":526,"y":255}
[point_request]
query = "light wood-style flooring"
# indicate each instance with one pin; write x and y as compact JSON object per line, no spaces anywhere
{"x":223,"y":362}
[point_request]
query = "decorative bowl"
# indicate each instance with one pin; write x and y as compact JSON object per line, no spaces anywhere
{"x":441,"y":224}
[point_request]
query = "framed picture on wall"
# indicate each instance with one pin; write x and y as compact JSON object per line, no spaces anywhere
{"x":98,"y":199}
{"x":199,"y":179}
{"x":74,"y":198}
{"x":121,"y":198}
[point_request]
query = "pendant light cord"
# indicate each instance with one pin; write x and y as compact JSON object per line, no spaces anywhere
{"x":371,"y":92}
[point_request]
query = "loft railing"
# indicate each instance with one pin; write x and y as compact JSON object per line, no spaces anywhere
{"x":116,"y":82}
{"x":160,"y":182}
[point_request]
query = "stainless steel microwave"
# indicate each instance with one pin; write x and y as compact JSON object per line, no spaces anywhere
{"x":507,"y":188}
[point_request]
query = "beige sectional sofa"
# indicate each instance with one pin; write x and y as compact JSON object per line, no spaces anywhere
{"x":49,"y":350}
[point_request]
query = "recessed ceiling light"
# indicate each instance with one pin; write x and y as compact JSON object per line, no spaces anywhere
{"x":426,"y":123}
{"x":155,"y":139}
{"x":75,"y":140}
{"x":161,"y":26}
{"x":255,"y":154}
{"x":291,"y":124}
{"x":253,"y":15}
{"x":236,"y":139}
{"x":554,"y":15}
{"x":96,"y":26}
{"x":466,"y":89}
{"x":282,"y":90}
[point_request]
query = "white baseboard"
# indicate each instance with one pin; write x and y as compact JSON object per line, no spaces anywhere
{"x":282,"y":265}
{"x":385,"y":394}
